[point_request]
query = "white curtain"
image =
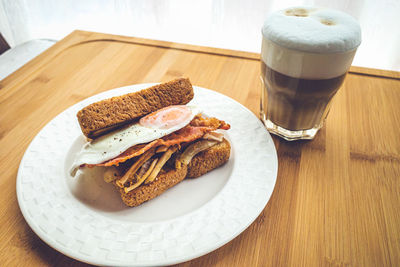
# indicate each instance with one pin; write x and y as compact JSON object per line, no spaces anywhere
{"x":232,"y":24}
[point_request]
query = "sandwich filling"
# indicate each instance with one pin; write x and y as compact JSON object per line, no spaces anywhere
{"x":178,"y":132}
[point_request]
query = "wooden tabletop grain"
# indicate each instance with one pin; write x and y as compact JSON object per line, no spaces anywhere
{"x":337,"y":198}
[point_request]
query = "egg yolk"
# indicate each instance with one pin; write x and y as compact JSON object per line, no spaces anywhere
{"x":168,"y":117}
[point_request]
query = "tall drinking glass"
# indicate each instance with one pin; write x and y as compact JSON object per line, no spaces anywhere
{"x":306,"y":53}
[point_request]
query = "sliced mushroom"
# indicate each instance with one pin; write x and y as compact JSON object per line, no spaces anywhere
{"x":141,"y":179}
{"x":164,"y":158}
{"x":133,"y":169}
{"x":192,"y":150}
{"x":161,"y":149}
{"x":144,"y":168}
{"x":214,"y":136}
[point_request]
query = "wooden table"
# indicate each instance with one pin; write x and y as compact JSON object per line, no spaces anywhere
{"x":337,"y":198}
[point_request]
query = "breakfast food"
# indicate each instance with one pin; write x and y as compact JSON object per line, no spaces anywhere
{"x":153,"y":142}
{"x":109,"y":114}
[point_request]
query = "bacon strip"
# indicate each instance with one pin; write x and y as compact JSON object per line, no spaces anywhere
{"x":195,"y":130}
{"x":209,"y":122}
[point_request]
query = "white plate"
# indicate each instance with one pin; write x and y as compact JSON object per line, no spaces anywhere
{"x":85,"y":219}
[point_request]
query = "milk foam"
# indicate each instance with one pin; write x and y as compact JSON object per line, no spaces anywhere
{"x":310,"y":43}
{"x":316,"y":30}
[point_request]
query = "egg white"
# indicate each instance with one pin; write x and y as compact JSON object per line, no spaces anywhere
{"x":113,"y":144}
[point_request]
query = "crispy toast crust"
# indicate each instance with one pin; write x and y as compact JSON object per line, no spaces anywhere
{"x":106,"y":115}
{"x":202,"y":163}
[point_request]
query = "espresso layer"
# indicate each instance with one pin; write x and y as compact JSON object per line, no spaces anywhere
{"x":295,"y":103}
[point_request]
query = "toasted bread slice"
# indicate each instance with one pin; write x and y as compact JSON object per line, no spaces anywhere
{"x":209,"y":159}
{"x":106,"y":115}
{"x":202,"y":163}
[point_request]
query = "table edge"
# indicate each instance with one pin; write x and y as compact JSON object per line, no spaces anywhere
{"x":79,"y":37}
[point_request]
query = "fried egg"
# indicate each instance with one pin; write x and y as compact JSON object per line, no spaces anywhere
{"x":149,"y":128}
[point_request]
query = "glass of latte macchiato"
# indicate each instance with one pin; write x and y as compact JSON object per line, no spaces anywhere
{"x":306,"y":53}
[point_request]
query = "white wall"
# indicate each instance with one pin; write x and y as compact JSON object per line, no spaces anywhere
{"x":233,"y":24}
